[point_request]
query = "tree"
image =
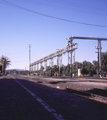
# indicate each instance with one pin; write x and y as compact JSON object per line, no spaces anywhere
{"x":6,"y":62}
{"x":66,"y":69}
{"x":87,"y":68}
{"x":55,"y":70}
{"x":1,"y":68}
{"x":76,"y":66}
{"x":95,"y":64}
{"x":48,"y":71}
{"x":42,"y":68}
{"x":104,"y":61}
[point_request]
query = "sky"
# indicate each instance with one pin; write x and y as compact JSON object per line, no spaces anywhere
{"x":46,"y":24}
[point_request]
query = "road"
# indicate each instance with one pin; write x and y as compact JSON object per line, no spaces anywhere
{"x":21,"y":99}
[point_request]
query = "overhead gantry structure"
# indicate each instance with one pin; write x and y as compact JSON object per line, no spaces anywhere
{"x":98,"y":47}
{"x":67,"y":49}
{"x":70,"y":47}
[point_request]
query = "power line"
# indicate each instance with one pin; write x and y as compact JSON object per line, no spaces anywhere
{"x":70,"y":2}
{"x":32,"y":11}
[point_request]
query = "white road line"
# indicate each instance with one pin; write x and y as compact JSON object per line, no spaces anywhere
{"x":47,"y":107}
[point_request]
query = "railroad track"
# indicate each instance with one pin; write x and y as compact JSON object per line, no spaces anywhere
{"x":96,"y":94}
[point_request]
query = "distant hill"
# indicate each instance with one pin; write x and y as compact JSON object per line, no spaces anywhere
{"x":15,"y":70}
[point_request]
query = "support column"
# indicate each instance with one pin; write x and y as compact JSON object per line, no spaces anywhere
{"x":68,"y":50}
{"x":58,"y":63}
{"x":68,"y":57}
{"x":58,"y":60}
{"x":32,"y":68}
{"x":37,"y":67}
{"x":29,"y":69}
{"x":40,"y":65}
{"x":71,"y":58}
{"x":51,"y":62}
{"x":73,"y":67}
{"x":61,"y":61}
{"x":45,"y":64}
{"x":99,"y":52}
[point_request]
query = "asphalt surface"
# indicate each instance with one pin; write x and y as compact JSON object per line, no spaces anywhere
{"x":21,"y":99}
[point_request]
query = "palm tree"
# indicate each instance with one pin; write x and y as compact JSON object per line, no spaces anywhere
{"x":5,"y":63}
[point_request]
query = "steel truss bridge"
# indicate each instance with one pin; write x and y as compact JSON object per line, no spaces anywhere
{"x":67,"y":49}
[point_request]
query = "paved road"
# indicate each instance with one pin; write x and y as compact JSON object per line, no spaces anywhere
{"x":25,"y":100}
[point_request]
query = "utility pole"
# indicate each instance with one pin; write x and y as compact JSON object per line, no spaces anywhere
{"x":29,"y":58}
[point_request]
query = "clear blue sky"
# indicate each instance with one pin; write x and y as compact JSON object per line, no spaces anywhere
{"x":20,"y":27}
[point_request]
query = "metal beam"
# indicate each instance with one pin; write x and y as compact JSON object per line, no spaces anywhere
{"x":89,"y":38}
{"x":57,"y":53}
